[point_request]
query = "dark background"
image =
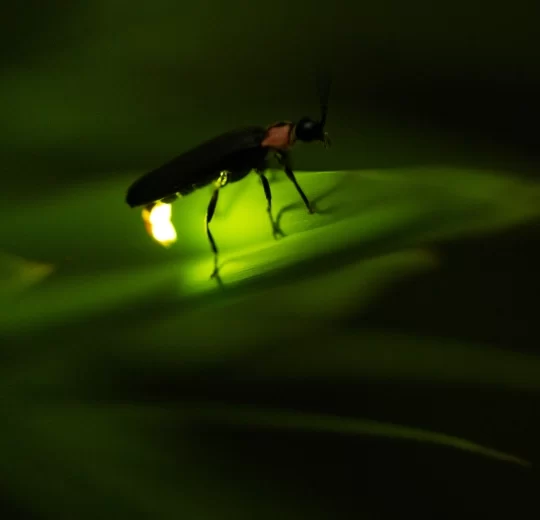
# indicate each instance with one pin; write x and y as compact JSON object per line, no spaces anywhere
{"x":101,"y":420}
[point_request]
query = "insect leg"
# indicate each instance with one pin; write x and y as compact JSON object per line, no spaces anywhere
{"x":221,"y":181}
{"x":266,"y":185}
{"x":283,"y":158}
{"x":209,"y":214}
{"x":291,"y":176}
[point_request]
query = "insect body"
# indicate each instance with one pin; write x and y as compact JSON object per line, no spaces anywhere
{"x":226,"y":159}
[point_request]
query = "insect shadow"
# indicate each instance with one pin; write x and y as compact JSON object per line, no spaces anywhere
{"x":315,"y":202}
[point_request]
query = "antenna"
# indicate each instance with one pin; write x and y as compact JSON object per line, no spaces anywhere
{"x":324,"y":82}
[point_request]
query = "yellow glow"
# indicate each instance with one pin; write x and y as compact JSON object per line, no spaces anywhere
{"x":158,"y":224}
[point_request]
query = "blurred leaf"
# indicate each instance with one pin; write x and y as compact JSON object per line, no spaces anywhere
{"x":108,"y":460}
{"x":361,"y":215}
{"x":385,"y":355}
{"x":300,"y":421}
{"x":92,"y":462}
{"x":288,"y":309}
{"x":18,"y":274}
{"x":68,"y":297}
